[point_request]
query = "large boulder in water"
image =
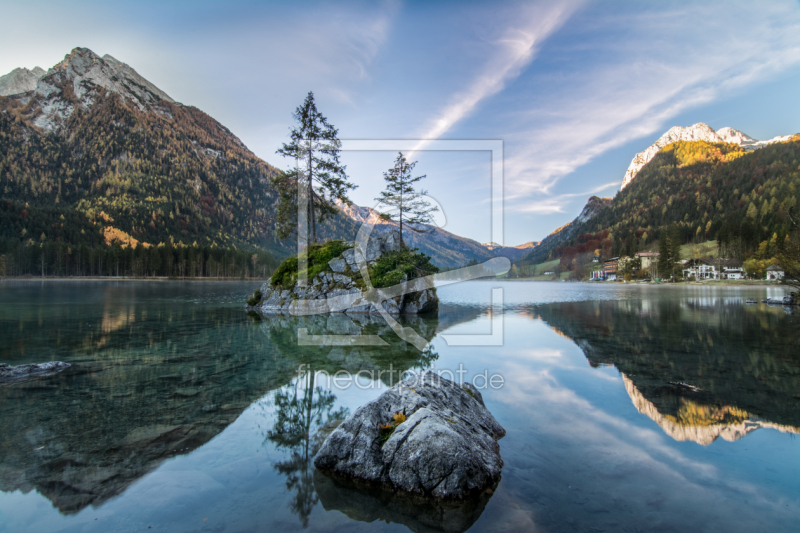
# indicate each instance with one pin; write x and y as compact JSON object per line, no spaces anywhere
{"x":425,"y":436}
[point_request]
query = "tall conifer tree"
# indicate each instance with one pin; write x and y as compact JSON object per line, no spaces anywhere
{"x":675,"y":250}
{"x":410,"y":204}
{"x":315,"y":146}
{"x":664,"y":267}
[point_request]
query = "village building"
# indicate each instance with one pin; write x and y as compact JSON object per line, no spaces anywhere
{"x":774,"y":273}
{"x":597,"y":275}
{"x":610,"y":268}
{"x":648,"y":259}
{"x":699,"y":269}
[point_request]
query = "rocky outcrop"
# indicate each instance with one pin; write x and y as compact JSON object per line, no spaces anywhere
{"x":8,"y":372}
{"x":426,"y":436}
{"x":340,"y":288}
{"x":540,"y":251}
{"x":20,"y":80}
{"x":76,"y":83}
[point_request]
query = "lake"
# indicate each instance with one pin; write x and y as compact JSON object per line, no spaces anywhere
{"x":627,"y":408}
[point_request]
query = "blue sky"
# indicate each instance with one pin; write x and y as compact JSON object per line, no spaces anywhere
{"x":573,"y":89}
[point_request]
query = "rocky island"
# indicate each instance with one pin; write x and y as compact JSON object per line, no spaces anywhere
{"x":425,"y":437}
{"x":396,"y":281}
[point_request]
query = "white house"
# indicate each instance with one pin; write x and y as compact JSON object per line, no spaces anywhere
{"x":699,"y":269}
{"x":774,"y":273}
{"x":733,"y":273}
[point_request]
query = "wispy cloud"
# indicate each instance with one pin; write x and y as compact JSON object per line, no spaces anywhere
{"x":557,"y":203}
{"x":516,"y":48}
{"x":671,"y":61}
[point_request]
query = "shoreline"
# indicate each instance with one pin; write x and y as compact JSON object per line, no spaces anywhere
{"x":126,"y":278}
{"x":715,"y":283}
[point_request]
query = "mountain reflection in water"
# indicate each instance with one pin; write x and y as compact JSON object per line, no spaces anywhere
{"x":701,"y":368}
{"x":134,"y":396}
{"x":180,"y":407}
{"x":151,"y":380}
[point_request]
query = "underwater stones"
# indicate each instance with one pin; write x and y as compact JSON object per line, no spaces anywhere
{"x":445,"y":448}
{"x":8,"y":372}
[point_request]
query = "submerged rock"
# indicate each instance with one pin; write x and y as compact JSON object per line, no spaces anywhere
{"x":8,"y":372}
{"x":419,"y":514}
{"x":426,"y":436}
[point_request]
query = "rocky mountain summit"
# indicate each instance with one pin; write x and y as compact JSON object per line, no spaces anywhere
{"x":340,"y":287}
{"x":20,"y":80}
{"x":113,"y":158}
{"x":568,"y":231}
{"x":74,"y":83}
{"x":426,"y":436}
{"x":697,"y":132}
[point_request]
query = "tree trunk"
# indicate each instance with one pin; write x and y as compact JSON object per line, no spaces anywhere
{"x":402,"y":244}
{"x":313,"y":218}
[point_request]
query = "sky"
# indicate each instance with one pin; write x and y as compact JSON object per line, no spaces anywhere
{"x":572,"y":89}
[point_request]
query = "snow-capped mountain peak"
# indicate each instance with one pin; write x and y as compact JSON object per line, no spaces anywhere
{"x":697,"y":132}
{"x":730,"y":135}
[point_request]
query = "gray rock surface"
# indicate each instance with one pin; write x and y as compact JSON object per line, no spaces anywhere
{"x":20,"y":80}
{"x":8,"y":372}
{"x":75,"y":83}
{"x":446,"y":448}
{"x":341,"y":289}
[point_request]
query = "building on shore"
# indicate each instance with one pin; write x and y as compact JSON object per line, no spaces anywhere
{"x":610,"y":269}
{"x":713,"y":269}
{"x":774,"y":273}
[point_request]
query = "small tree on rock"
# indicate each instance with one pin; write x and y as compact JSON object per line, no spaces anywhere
{"x":410,"y":205}
{"x":315,"y":146}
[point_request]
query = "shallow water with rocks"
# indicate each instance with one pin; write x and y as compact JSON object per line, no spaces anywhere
{"x":626,"y":407}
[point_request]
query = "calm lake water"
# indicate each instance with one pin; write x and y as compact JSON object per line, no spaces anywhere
{"x":628,"y":408}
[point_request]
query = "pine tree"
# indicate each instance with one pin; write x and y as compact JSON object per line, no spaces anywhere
{"x":410,"y":204}
{"x":318,"y":173}
{"x":675,"y":251}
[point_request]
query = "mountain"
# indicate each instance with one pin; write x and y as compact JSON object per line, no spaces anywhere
{"x":565,"y":233}
{"x":707,"y":190}
{"x":445,"y":249}
{"x":96,"y":154}
{"x":698,"y":132}
{"x":20,"y":80}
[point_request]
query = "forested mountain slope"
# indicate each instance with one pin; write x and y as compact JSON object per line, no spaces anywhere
{"x":96,"y":154}
{"x":93,"y":155}
{"x":708,"y":190}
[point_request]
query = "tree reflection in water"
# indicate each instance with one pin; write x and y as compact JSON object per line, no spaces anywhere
{"x":304,"y":413}
{"x":301,"y":411}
